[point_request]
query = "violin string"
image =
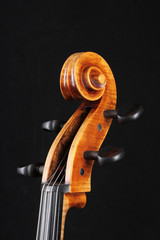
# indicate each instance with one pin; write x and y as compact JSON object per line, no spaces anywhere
{"x":58,"y":210}
{"x":52,"y":176}
{"x":51,"y":193}
{"x":55,"y":214}
{"x":42,"y":203}
{"x":50,"y":202}
{"x":58,"y":214}
{"x":43,"y":215}
{"x":46,"y":209}
{"x":48,"y":216}
{"x":42,"y":196}
{"x":40,"y":211}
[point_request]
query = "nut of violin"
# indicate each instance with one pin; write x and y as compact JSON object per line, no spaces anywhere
{"x":83,"y":77}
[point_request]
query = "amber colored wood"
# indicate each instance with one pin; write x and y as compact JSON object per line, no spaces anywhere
{"x":87,"y":77}
{"x":62,"y":142}
{"x":73,"y":81}
{"x":93,"y":78}
{"x":88,"y":137}
{"x":70,"y":200}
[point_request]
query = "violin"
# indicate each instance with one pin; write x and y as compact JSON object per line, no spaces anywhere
{"x":66,"y":174}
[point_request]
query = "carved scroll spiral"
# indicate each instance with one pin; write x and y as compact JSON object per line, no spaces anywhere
{"x":82,"y":77}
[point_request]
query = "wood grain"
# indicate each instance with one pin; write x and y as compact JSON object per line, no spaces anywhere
{"x":87,"y":77}
{"x":70,"y":200}
{"x":88,"y":137}
{"x":62,"y":142}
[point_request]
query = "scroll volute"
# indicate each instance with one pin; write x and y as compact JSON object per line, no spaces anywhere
{"x":87,"y":77}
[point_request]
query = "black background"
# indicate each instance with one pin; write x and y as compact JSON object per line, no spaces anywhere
{"x":36,"y":39}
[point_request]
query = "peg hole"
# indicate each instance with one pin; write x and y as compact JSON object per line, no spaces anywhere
{"x":99,"y":127}
{"x":82,"y":171}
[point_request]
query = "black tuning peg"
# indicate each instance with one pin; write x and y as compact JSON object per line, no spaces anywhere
{"x":125,"y":113}
{"x":53,"y":125}
{"x":32,"y":170}
{"x":108,"y":154}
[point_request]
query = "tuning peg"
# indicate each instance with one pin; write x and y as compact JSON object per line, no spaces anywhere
{"x":53,"y":125}
{"x":108,"y":154}
{"x":32,"y":170}
{"x":125,"y":113}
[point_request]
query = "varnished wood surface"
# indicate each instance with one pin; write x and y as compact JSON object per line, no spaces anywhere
{"x":87,"y":77}
{"x":62,"y":141}
{"x":74,"y":80}
{"x":88,"y":137}
{"x":70,"y":200}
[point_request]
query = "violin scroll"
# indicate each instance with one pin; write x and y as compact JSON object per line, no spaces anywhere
{"x":87,"y":77}
{"x":83,"y":77}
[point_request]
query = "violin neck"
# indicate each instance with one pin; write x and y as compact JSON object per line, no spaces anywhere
{"x":50,"y":213}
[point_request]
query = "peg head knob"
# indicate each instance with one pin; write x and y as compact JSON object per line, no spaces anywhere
{"x":126,"y":113}
{"x":53,"y":125}
{"x":32,"y":170}
{"x":108,"y":154}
